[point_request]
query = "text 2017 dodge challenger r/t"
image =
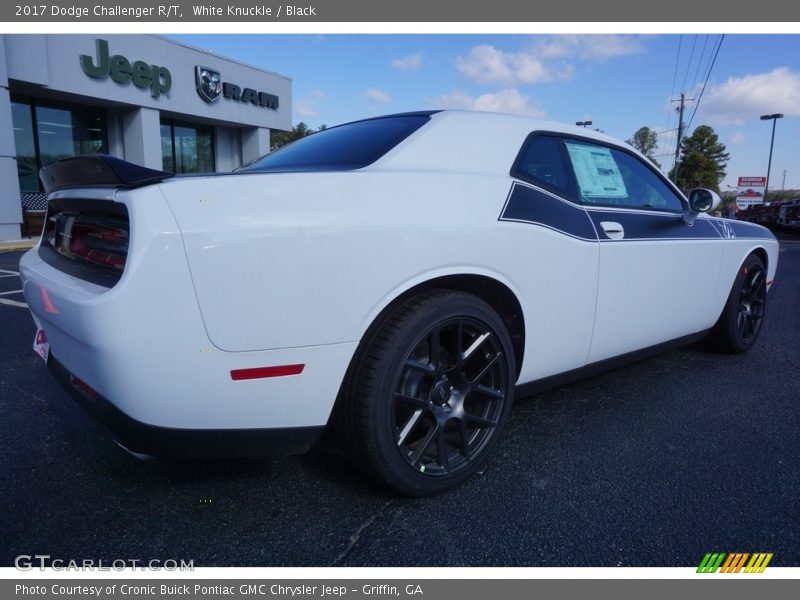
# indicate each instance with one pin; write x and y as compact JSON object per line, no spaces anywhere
{"x":395,"y":277}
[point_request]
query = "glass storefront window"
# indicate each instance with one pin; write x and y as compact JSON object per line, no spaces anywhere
{"x":27,"y":165}
{"x":167,"y":155}
{"x":45,"y":132}
{"x":187,"y":148}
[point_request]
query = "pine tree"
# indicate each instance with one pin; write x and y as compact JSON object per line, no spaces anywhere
{"x":703,"y":160}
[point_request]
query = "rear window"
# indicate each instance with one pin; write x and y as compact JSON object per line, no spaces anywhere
{"x":341,"y":148}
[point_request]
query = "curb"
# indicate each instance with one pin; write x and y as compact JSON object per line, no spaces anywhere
{"x":12,"y":245}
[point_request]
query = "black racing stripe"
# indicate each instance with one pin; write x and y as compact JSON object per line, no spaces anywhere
{"x":649,"y":226}
{"x":529,"y":205}
{"x":742,"y":229}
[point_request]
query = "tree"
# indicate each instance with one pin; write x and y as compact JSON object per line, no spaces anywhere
{"x":281,"y":138}
{"x":703,"y":160}
{"x":645,"y":141}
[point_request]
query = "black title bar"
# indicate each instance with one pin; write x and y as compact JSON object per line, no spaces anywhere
{"x":440,"y":11}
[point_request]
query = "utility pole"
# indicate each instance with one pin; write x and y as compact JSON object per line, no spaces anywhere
{"x":683,"y":101}
{"x":774,"y":118}
{"x":783,"y":183}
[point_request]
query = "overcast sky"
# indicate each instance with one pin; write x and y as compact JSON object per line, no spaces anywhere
{"x":621,"y":82}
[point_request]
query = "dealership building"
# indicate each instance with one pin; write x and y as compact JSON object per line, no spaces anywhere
{"x":143,"y":98}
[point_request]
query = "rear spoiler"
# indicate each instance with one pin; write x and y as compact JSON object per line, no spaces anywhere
{"x":97,"y":170}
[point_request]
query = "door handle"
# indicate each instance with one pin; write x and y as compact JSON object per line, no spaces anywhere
{"x":613,"y":229}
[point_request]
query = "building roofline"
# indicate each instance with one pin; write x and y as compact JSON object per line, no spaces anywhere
{"x":222,"y":56}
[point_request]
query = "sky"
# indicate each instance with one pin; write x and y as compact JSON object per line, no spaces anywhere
{"x":620,"y":82}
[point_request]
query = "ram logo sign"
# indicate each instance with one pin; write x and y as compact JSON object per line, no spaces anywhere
{"x":208,"y":83}
{"x":210,"y":86}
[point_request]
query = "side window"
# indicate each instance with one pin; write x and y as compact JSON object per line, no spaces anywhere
{"x":542,"y":163}
{"x":610,"y":177}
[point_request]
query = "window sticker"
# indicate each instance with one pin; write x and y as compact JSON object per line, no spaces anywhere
{"x":597,"y":172}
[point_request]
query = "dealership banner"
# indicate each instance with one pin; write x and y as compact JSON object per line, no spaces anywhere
{"x":749,"y":191}
{"x":408,"y":11}
{"x":729,"y":587}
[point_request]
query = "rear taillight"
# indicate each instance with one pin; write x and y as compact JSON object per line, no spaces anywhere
{"x":87,"y":239}
{"x":99,"y":245}
{"x":92,"y":239}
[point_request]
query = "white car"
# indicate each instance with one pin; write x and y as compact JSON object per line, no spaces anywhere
{"x":395,"y":277}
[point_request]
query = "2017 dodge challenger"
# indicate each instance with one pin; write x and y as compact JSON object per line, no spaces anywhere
{"x":395,"y":278}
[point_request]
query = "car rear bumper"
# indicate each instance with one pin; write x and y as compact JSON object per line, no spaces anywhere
{"x":169,"y":442}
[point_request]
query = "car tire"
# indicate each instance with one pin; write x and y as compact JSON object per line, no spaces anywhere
{"x":740,"y":323}
{"x":430,"y":390}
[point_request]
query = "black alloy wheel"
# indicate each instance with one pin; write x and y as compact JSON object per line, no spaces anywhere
{"x":740,"y":323}
{"x":449,"y":397}
{"x":752,"y":301}
{"x":425,"y":401}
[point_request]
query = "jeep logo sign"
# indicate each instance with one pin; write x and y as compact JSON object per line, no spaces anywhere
{"x":157,"y":79}
{"x":210,"y":85}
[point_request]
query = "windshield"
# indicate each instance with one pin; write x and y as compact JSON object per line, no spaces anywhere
{"x":341,"y":148}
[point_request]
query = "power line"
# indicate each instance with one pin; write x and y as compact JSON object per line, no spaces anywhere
{"x":674,"y":79}
{"x":699,"y":63}
{"x":708,"y":74}
{"x":689,"y":64}
{"x":677,"y":60}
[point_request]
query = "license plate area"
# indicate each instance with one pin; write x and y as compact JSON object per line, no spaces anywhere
{"x":40,"y":344}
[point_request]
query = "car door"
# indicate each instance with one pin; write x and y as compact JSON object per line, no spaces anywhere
{"x":558,"y":257}
{"x":657,"y":274}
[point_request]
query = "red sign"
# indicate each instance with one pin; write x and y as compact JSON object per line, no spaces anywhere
{"x":750,"y":191}
{"x":752,"y":182}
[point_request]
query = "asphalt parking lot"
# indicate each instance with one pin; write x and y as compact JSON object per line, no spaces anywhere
{"x":654,"y":464}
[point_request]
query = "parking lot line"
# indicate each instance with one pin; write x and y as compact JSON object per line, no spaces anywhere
{"x":13,"y":303}
{"x":9,"y":302}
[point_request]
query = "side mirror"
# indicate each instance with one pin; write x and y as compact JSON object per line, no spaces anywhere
{"x":700,"y":200}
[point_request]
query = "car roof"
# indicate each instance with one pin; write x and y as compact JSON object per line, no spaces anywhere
{"x":474,"y":141}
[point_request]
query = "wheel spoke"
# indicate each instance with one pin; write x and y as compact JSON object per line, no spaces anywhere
{"x":465,"y":449}
{"x":491,"y":392}
{"x":417,"y":455}
{"x":754,"y":289}
{"x":479,"y":421}
{"x":441,"y":449}
{"x":459,"y":342}
{"x":426,"y":368}
{"x":409,"y":426}
{"x":415,"y":402}
{"x":748,"y":326}
{"x":487,"y":368}
{"x":436,"y":348}
{"x":475,"y":345}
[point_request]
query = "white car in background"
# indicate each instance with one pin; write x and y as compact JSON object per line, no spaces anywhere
{"x":395,"y":277}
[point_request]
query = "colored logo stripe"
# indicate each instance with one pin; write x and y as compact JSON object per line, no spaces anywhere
{"x":734,"y":562}
{"x":758,"y":563}
{"x":711,"y":562}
